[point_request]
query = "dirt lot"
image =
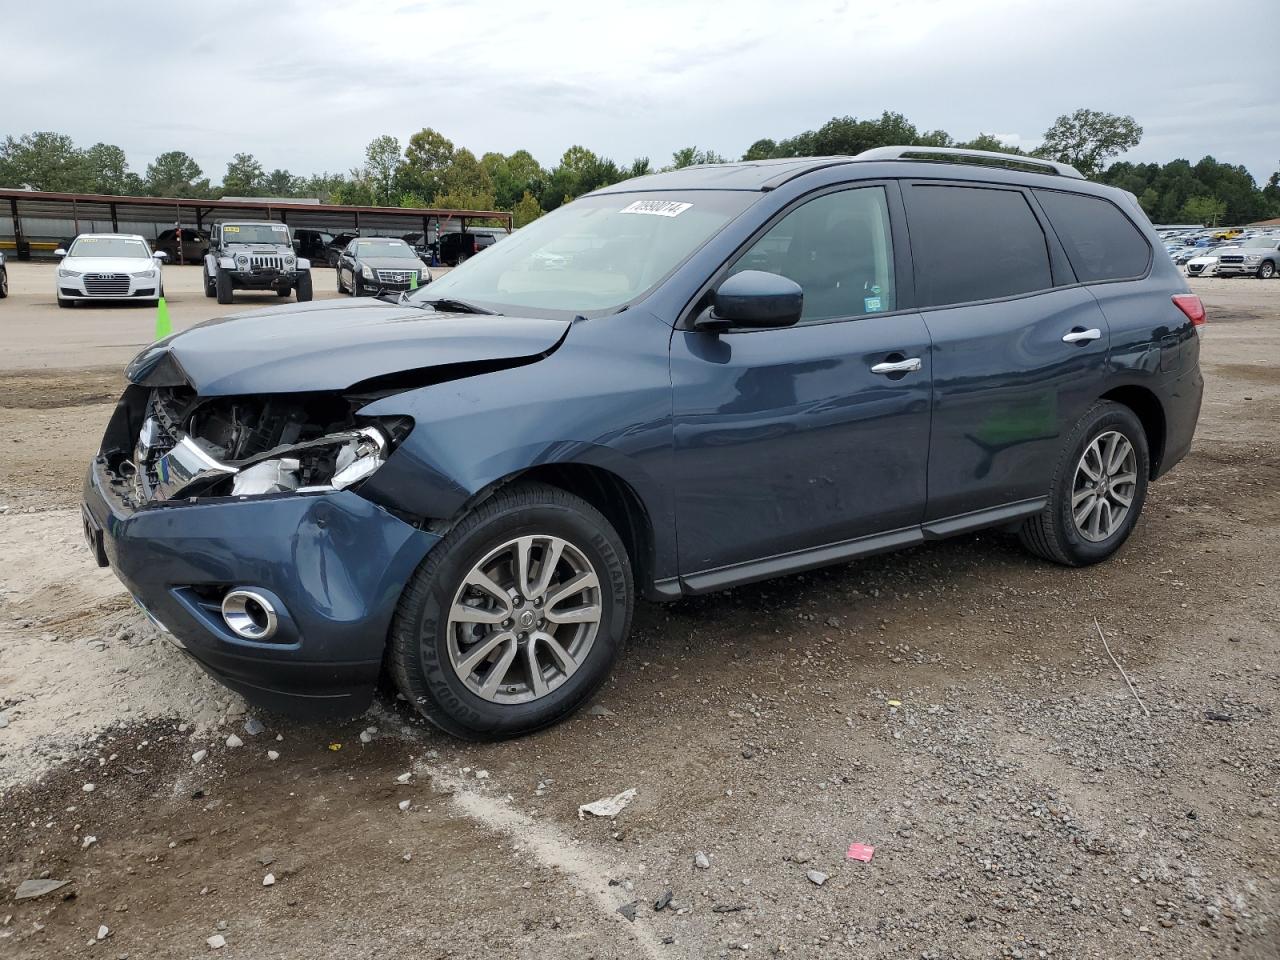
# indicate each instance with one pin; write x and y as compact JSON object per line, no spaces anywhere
{"x":952,"y":706}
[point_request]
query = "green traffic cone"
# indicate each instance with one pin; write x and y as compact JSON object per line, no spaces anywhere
{"x":163,"y":326}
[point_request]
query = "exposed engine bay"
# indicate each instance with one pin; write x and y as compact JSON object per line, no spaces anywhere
{"x":189,"y":446}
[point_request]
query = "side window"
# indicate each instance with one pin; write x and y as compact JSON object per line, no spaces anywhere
{"x":974,"y":243}
{"x":1101,"y":242}
{"x":838,"y":248}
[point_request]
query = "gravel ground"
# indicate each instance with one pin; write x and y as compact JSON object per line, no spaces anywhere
{"x":952,"y":706}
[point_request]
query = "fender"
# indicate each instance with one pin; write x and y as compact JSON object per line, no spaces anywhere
{"x":596,"y":401}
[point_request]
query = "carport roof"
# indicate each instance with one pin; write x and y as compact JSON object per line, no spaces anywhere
{"x":69,"y":206}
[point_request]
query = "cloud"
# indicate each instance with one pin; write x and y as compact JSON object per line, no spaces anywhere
{"x":305,"y":86}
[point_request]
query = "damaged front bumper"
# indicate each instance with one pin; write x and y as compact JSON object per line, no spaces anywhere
{"x":332,"y":564}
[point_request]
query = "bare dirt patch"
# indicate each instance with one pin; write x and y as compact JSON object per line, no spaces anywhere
{"x":952,"y":705}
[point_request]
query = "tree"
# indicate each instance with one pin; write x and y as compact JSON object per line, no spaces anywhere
{"x":987,"y":141}
{"x":282,"y":183}
{"x":526,"y":210}
{"x":381,"y":165}
{"x":1087,"y":139}
{"x":761,"y":150}
{"x":108,"y":171}
{"x":691,"y":156}
{"x":467,"y":185}
{"x":44,"y":161}
{"x":1203,"y":210}
{"x":426,"y":157}
{"x":174,"y":174}
{"x":639,"y":168}
{"x":245,"y":177}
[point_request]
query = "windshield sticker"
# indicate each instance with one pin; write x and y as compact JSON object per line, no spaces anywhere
{"x":278,"y":229}
{"x":230,"y":229}
{"x":872,"y":304}
{"x":657,"y":208}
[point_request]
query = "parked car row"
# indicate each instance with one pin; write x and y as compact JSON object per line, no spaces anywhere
{"x":1225,"y":253}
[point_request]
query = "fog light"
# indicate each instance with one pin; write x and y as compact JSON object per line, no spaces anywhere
{"x":250,"y":615}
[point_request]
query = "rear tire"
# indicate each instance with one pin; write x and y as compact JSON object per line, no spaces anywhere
{"x":427,"y":638}
{"x":4,"y":283}
{"x":1057,"y":533}
{"x":222,"y":286}
{"x":303,"y":290}
{"x":210,"y":290}
{"x":338,"y":274}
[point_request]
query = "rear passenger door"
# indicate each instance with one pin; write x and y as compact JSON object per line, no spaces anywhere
{"x":1019,"y":349}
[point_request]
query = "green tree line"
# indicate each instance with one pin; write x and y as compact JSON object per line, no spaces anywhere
{"x":430,"y":170}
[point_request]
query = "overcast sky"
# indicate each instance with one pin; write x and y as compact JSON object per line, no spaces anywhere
{"x":306,"y":85}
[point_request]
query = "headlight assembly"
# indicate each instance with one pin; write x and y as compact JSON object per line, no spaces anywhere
{"x":69,"y":274}
{"x":366,"y":273}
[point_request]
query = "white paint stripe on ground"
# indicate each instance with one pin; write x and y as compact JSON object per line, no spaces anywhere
{"x":551,"y":847}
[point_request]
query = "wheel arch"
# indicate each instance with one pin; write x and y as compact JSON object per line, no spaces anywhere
{"x":1147,"y":407}
{"x":605,"y":490}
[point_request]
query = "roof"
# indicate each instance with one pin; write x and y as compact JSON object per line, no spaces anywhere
{"x":768,"y":174}
{"x":114,"y":236}
{"x":742,"y":175}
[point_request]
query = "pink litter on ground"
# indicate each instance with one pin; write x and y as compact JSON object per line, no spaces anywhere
{"x":860,"y":851}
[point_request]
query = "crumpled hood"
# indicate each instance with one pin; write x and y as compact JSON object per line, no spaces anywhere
{"x":332,"y":345}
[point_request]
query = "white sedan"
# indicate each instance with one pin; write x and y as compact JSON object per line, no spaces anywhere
{"x":109,"y":266}
{"x":1206,"y":265}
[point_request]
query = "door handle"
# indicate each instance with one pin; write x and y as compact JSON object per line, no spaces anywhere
{"x":1080,"y":336}
{"x":900,"y":366}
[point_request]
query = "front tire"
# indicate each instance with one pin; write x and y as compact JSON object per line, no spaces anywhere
{"x":1098,"y":489}
{"x":515,"y":618}
{"x":4,"y":283}
{"x":1267,"y":271}
{"x":222,"y":286}
{"x":303,"y":289}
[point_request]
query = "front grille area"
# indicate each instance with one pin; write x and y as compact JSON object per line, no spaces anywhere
{"x":106,"y":284}
{"x":266,"y":261}
{"x":398,"y":277}
{"x":1231,"y":259}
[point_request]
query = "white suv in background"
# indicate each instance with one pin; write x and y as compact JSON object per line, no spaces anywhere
{"x":108,"y":266}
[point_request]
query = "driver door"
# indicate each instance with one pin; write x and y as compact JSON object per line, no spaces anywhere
{"x":798,"y":445}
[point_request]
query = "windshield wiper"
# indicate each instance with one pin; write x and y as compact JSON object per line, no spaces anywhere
{"x":458,"y":306}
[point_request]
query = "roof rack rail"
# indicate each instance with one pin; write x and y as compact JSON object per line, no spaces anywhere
{"x":959,"y":154}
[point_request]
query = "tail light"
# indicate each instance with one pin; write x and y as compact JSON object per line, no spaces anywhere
{"x":1190,"y":305}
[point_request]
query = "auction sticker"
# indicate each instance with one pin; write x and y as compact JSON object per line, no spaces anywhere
{"x":657,"y":208}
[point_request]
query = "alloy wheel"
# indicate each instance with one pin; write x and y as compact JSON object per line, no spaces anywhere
{"x":1106,"y":480}
{"x":524,"y":619}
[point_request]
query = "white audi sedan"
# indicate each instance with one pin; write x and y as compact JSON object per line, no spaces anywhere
{"x":108,"y":266}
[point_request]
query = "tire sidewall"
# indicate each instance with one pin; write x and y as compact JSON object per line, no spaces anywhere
{"x":1105,"y":418}
{"x":469,"y":714}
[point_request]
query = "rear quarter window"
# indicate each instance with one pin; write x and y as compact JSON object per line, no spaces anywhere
{"x":1101,"y":242}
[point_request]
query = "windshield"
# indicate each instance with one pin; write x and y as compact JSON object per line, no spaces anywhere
{"x":388,"y":249}
{"x":109,"y":247}
{"x":1260,"y":243}
{"x":255,"y":233}
{"x":591,"y":256}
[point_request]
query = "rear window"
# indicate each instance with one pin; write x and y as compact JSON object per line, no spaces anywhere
{"x":974,"y":243}
{"x":1101,"y":242}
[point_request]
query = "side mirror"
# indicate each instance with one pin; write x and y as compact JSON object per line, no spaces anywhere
{"x":60,"y":253}
{"x":160,"y":255}
{"x":754,"y":298}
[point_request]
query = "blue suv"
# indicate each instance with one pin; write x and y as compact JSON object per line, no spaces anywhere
{"x":674,"y":385}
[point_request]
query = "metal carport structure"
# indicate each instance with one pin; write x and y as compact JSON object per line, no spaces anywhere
{"x":66,"y":214}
